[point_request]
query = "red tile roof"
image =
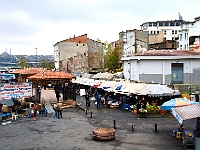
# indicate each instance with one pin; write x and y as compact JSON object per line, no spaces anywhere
{"x":46,"y":74}
{"x":27,"y":71}
{"x":168,"y":53}
{"x":78,"y":39}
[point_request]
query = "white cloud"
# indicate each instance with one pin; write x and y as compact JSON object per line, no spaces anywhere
{"x":26,"y":25}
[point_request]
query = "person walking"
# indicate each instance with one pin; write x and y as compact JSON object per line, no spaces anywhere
{"x":138,"y":105}
{"x":59,"y":110}
{"x":98,"y":98}
{"x":57,"y":91}
{"x":55,"y":110}
{"x":144,"y":103}
{"x":87,"y":99}
{"x":35,"y":108}
{"x":45,"y":109}
{"x":4,"y":110}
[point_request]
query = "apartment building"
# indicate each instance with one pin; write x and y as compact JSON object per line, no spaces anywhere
{"x":165,"y":32}
{"x":189,"y":35}
{"x":133,"y":41}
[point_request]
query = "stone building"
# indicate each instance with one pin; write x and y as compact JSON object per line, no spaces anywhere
{"x":79,"y":55}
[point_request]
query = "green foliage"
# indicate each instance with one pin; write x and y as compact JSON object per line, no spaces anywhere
{"x":22,"y":63}
{"x":112,"y":59}
{"x":134,"y":107}
{"x":47,"y":64}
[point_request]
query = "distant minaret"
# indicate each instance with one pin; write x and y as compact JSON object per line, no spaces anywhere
{"x":180,"y":17}
{"x":10,"y":51}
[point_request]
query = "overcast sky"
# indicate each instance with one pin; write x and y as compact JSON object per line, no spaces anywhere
{"x":29,"y":24}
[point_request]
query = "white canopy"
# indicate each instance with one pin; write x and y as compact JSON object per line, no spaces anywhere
{"x":156,"y":90}
{"x":186,"y":112}
{"x":128,"y":88}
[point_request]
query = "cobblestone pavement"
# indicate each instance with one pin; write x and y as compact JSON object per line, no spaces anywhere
{"x":74,"y":130}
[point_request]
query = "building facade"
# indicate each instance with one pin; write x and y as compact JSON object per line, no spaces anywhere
{"x":78,"y":55}
{"x":133,"y":41}
{"x":189,"y":35}
{"x":163,"y":66}
{"x":164,"y":32}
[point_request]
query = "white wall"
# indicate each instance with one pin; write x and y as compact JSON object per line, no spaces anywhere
{"x":129,"y":39}
{"x":156,"y":66}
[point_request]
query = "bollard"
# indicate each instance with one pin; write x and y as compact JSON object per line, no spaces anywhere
{"x":156,"y":130}
{"x":91,"y":114}
{"x":114,"y":124}
{"x":132,"y":128}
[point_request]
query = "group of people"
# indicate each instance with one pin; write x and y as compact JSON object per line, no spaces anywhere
{"x":96,"y":95}
{"x":58,"y":110}
{"x":141,"y":104}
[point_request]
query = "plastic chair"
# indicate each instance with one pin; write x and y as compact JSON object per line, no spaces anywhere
{"x":14,"y":116}
{"x":178,"y":135}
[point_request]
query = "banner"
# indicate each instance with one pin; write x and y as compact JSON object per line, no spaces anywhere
{"x":16,"y":91}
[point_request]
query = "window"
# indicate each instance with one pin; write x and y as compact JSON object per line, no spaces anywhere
{"x":76,"y":44}
{"x":180,"y":47}
{"x":165,"y":32}
{"x":83,"y":44}
{"x":186,"y":36}
{"x":172,"y":31}
{"x":177,"y":24}
{"x":181,"y":37}
{"x":160,"y":23}
{"x":154,"y":24}
{"x":154,"y":32}
{"x":157,"y":32}
{"x":185,"y":47}
{"x":172,"y":24}
{"x":151,"y":32}
{"x":175,"y":31}
{"x":150,"y":24}
{"x":166,"y":23}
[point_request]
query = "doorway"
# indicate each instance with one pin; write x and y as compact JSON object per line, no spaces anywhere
{"x":177,"y":73}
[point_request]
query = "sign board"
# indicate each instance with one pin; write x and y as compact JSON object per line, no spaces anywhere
{"x":82,"y":92}
{"x":16,"y":91}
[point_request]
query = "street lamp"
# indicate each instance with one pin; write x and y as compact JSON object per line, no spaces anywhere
{"x":36,"y":56}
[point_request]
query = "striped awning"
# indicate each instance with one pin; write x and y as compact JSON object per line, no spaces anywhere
{"x":186,"y":112}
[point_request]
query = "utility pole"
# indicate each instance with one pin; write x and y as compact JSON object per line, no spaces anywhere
{"x":36,"y":56}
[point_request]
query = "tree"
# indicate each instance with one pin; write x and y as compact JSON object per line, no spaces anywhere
{"x":22,"y":63}
{"x":112,"y":59}
{"x":45,"y":63}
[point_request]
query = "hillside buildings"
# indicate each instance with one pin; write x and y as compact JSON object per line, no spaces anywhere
{"x":175,"y":57}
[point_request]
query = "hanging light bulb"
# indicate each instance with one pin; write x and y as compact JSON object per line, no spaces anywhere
{"x":174,"y":76}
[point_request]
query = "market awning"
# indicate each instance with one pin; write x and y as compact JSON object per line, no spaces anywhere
{"x":8,"y":102}
{"x":156,"y":90}
{"x":186,"y":112}
{"x":177,"y":102}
